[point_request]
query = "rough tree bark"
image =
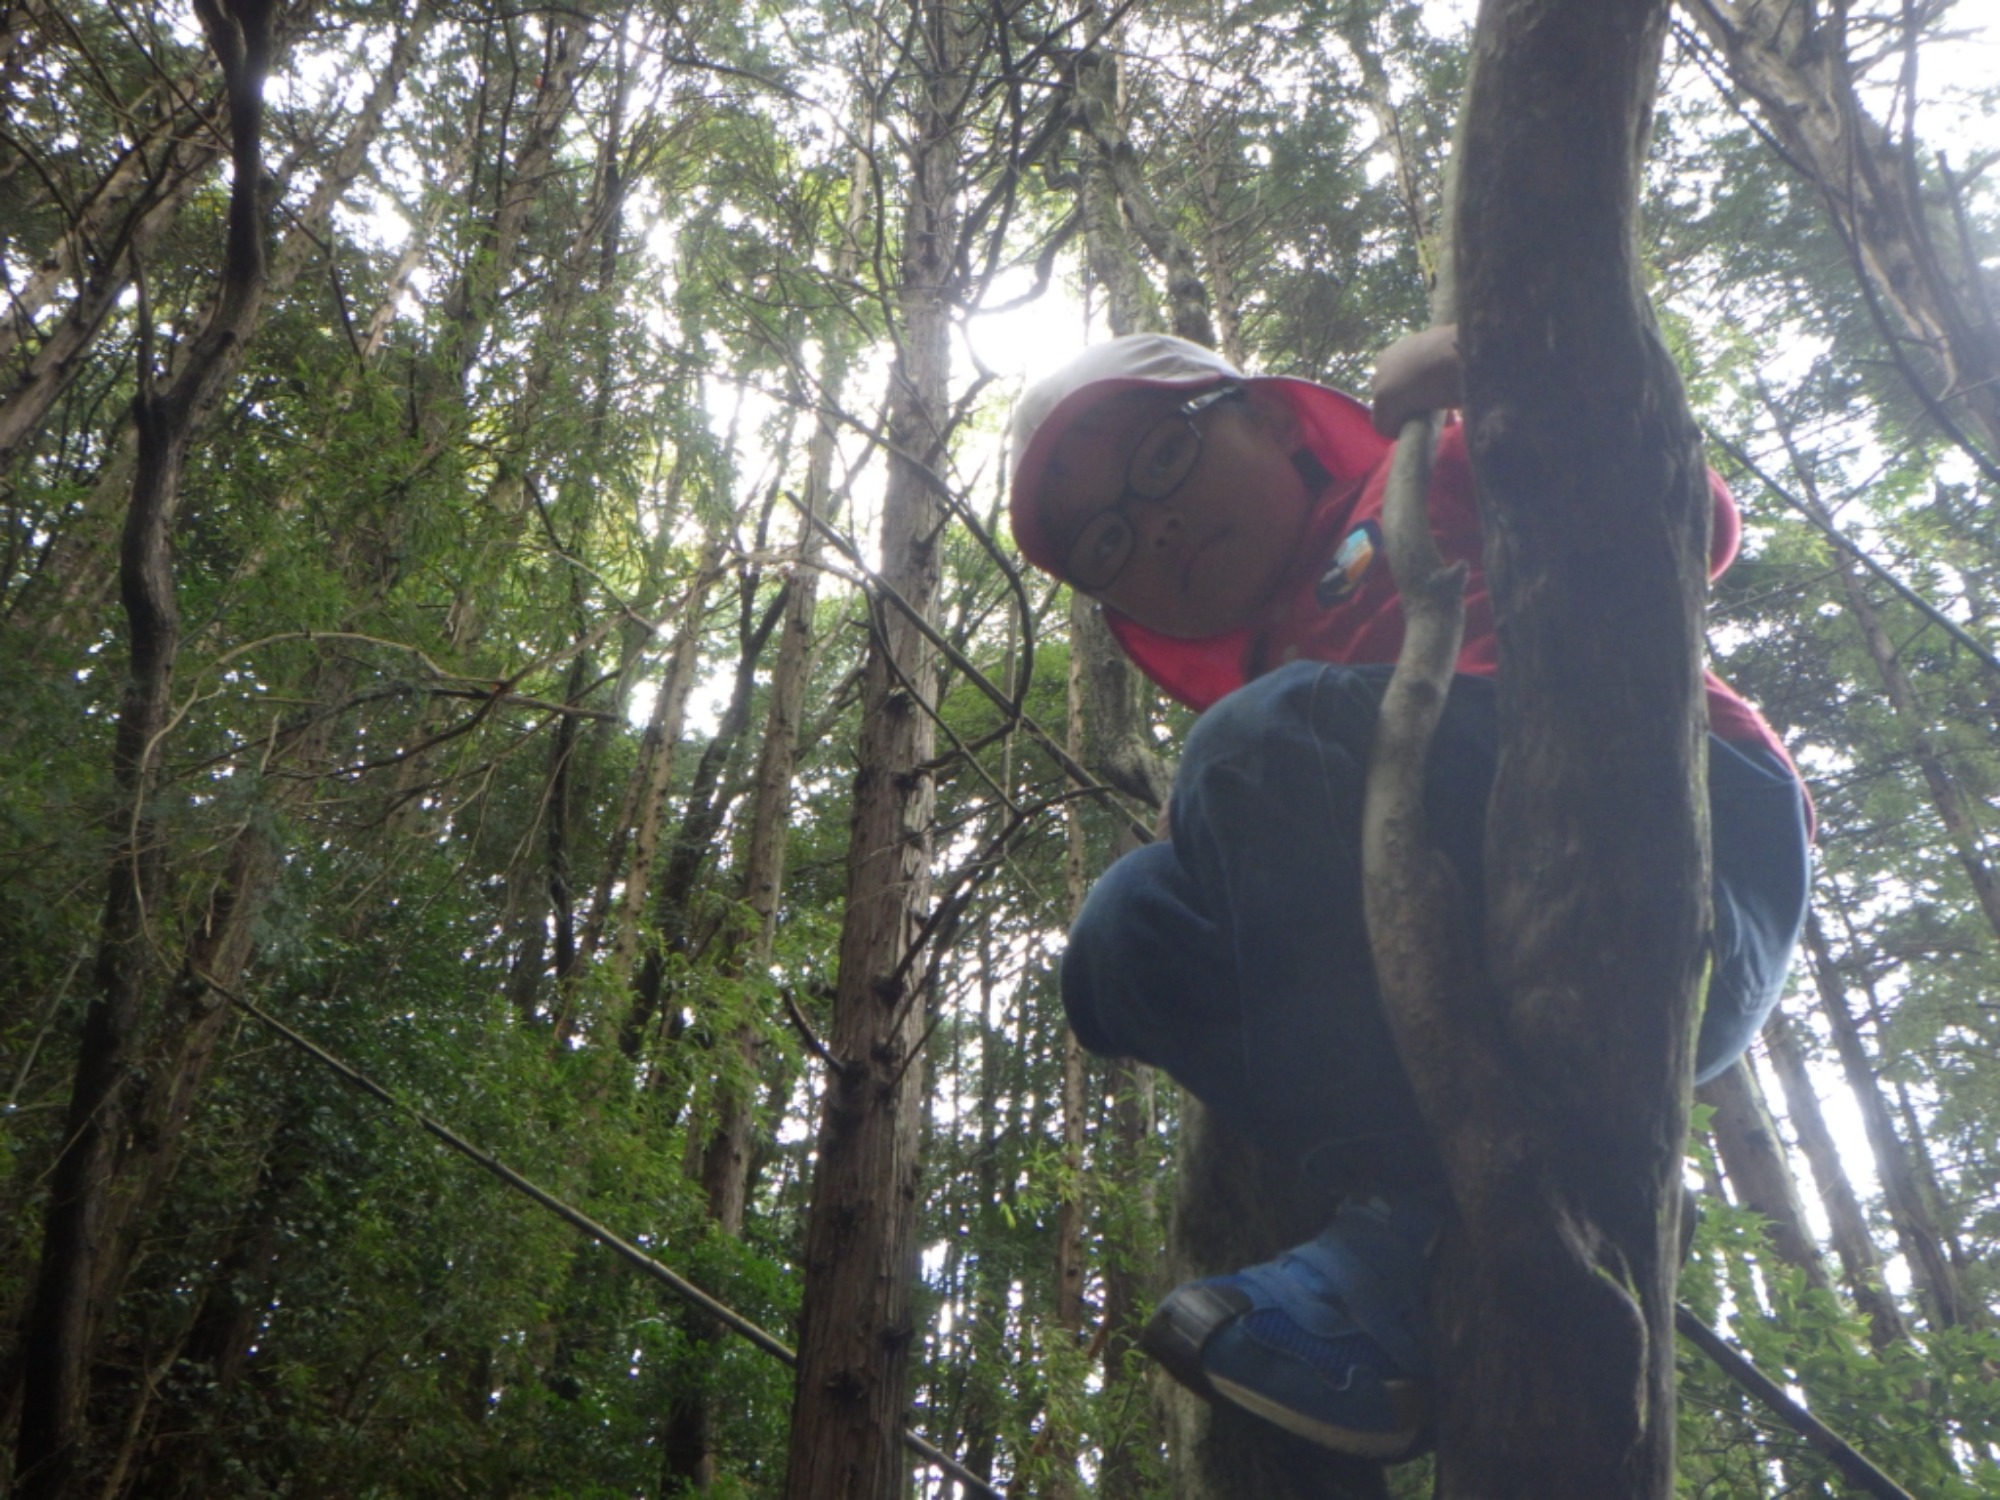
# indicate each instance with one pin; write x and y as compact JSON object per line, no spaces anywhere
{"x":855,"y":1324}
{"x":87,"y":1181}
{"x":1556,"y":1082}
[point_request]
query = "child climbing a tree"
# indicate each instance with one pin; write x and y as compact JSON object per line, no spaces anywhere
{"x":1230,"y":528}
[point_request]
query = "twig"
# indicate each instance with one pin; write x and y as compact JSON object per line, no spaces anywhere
{"x":814,"y":1045}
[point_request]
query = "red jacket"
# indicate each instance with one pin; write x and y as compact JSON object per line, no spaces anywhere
{"x":1341,"y":604}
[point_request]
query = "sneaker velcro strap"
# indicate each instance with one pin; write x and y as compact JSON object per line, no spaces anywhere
{"x":1185,"y":1320}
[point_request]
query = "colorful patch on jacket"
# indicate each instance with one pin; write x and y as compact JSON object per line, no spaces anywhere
{"x":1351,"y":563}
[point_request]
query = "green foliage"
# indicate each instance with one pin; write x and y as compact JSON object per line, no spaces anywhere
{"x":434,"y":548}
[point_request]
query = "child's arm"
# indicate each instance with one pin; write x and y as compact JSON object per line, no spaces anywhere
{"x":1421,"y":372}
{"x":1418,"y":373}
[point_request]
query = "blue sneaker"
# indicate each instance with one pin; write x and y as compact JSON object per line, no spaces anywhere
{"x":1330,"y":1341}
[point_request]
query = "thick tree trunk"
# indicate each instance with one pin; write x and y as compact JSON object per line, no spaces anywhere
{"x":89,"y":1180}
{"x":1556,"y":1086}
{"x":855,"y":1327}
{"x":1754,"y":1159}
{"x":1860,"y":1265}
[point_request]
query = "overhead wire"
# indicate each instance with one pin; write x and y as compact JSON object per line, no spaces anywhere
{"x":1842,"y":1454}
{"x":616,"y":1243}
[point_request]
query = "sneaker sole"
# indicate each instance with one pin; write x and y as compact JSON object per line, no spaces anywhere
{"x":1407,"y":1399}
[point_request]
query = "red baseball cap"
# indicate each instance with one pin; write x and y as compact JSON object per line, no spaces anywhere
{"x":1333,"y":425}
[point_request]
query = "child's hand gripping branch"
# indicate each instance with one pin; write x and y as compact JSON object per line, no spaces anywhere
{"x":1420,"y":372}
{"x":1230,"y":527}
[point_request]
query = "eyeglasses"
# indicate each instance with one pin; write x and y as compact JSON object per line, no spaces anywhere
{"x":1159,"y":465}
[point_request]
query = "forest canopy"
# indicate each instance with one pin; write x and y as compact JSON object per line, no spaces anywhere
{"x":477,"y":483}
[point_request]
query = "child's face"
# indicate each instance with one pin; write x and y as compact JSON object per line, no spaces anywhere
{"x":1207,"y":556}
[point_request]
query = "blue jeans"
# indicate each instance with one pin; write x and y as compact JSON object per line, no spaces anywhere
{"x":1234,"y":955}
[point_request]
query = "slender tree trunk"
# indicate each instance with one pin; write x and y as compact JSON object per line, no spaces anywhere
{"x":708,"y":797}
{"x":1754,"y":1158}
{"x":149,"y":167}
{"x":987,"y":1321}
{"x":1127,"y":1168}
{"x":1133,"y":307}
{"x":1860,"y":1266}
{"x":1355,"y":31}
{"x":1073,"y":1209}
{"x":1227,"y":302}
{"x":855,"y":1325}
{"x":77,"y":574}
{"x":652,"y":780}
{"x":1923,"y":1246}
{"x":1117,"y":746}
{"x":87,"y":1187}
{"x":722,"y":1140}
{"x":606,"y":903}
{"x":1793,"y":59}
{"x":473,"y":299}
{"x":1105,"y":139}
{"x":1954,"y":808}
{"x":726,"y":1155}
{"x":182,"y":1435}
{"x":150,"y":201}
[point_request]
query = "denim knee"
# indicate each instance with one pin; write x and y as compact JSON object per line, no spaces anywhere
{"x":1762,"y":879}
{"x":1148,"y":975}
{"x":1304,"y":700}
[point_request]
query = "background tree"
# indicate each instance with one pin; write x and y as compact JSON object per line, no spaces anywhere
{"x":567,"y":318}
